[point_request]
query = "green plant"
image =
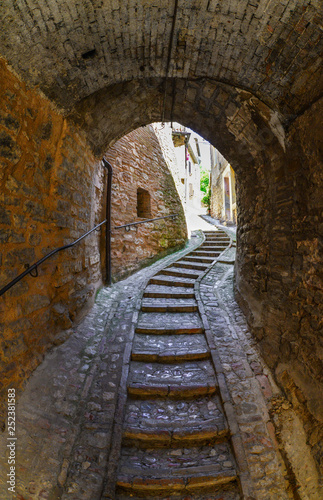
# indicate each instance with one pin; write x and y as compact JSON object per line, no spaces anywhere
{"x":204,"y":181}
{"x":206,"y":200}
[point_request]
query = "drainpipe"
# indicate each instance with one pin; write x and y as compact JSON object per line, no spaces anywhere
{"x":107,"y":165}
{"x":186,"y":140}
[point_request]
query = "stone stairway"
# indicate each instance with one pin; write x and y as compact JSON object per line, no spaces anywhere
{"x":176,"y":440}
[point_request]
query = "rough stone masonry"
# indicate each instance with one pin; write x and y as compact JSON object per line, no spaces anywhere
{"x":244,"y":74}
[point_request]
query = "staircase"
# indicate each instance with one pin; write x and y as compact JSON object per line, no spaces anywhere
{"x":176,"y":441}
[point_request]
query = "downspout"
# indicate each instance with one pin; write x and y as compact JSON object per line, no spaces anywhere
{"x":107,"y":165}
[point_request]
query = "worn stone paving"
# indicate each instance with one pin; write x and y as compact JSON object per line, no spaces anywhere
{"x":169,"y":291}
{"x":152,"y":414}
{"x":181,"y":460}
{"x":199,"y":372}
{"x":72,"y":411}
{"x":168,"y":303}
{"x":168,"y":459}
{"x":250,"y":385}
{"x":65,"y":415}
{"x":171,"y":322}
{"x":169,"y":345}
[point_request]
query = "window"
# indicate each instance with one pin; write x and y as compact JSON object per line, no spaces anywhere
{"x":143,"y":203}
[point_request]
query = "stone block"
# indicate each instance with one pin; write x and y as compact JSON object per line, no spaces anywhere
{"x":34,"y":303}
{"x":9,"y":121}
{"x":48,"y":163}
{"x":9,"y":149}
{"x":46,"y":131}
{"x":5,"y":217}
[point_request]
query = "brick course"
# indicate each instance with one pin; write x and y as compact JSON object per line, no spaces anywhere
{"x":269,"y":48}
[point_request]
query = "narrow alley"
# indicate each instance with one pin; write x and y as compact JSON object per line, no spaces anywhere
{"x":160,"y":392}
{"x":161,"y":285}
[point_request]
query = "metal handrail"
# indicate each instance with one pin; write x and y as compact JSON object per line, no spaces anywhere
{"x":146,"y":220}
{"x":33,"y":267}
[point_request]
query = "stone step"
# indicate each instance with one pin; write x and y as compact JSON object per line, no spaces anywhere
{"x":172,"y":280}
{"x":192,"y":258}
{"x":228,"y":491}
{"x":190,"y":264}
{"x":168,"y":305}
{"x":168,"y":292}
{"x":216,"y":233}
{"x":162,"y":422}
{"x":214,"y":244}
{"x":163,"y":471}
{"x":220,"y":244}
{"x":217,"y":250}
{"x":177,"y":380}
{"x":217,"y":237}
{"x":207,"y":253}
{"x":179,"y":272}
{"x":169,"y":348}
{"x":169,"y":323}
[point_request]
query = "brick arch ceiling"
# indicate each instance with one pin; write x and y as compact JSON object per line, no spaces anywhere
{"x":236,"y":122}
{"x":71,"y":50}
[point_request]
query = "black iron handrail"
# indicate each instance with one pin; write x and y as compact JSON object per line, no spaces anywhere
{"x":33,"y":267}
{"x":146,"y":220}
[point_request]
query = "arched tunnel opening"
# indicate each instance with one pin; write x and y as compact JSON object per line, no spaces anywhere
{"x":250,"y":83}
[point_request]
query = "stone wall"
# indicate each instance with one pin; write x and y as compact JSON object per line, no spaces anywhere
{"x":241,"y":83}
{"x":138,"y":162}
{"x":217,"y":202}
{"x":279,"y":266}
{"x":223,"y":194}
{"x":51,"y":193}
{"x":72,"y":49}
{"x":164,"y":134}
{"x":274,"y":180}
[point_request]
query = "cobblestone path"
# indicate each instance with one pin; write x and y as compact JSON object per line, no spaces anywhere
{"x":193,"y":413}
{"x":175,"y":439}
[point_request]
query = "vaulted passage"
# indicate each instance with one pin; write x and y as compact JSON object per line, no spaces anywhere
{"x":246,"y":75}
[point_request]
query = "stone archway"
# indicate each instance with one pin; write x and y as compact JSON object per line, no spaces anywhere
{"x":273,"y":179}
{"x":245,"y":75}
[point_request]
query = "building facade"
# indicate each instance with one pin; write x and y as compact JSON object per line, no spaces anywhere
{"x":223,"y":204}
{"x":180,"y":148}
{"x":143,"y":188}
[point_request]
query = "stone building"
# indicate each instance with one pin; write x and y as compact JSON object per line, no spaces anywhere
{"x":75,"y":77}
{"x":183,"y":159}
{"x":223,"y":205}
{"x":143,"y":188}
